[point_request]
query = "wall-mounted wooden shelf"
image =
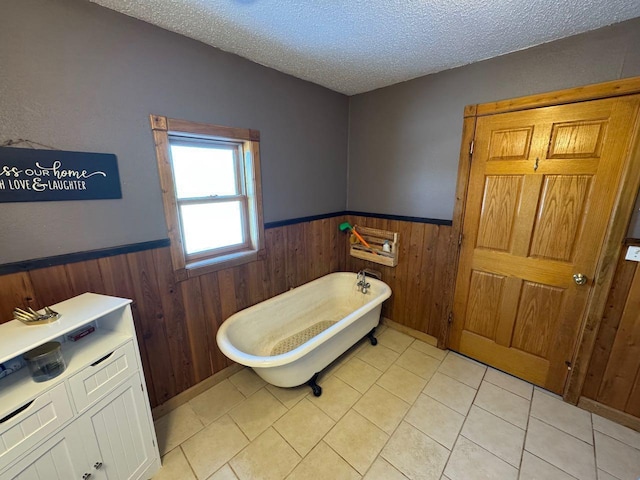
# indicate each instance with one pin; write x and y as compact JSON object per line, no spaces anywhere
{"x":376,"y":238}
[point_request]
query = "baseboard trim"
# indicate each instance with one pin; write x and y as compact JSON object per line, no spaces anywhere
{"x":425,"y":337}
{"x":610,"y":413}
{"x":193,"y":392}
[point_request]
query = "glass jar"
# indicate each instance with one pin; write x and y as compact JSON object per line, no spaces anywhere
{"x":45,"y":361}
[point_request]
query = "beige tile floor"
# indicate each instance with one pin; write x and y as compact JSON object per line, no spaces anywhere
{"x":402,"y":409}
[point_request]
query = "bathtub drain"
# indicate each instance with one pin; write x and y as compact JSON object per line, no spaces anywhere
{"x":297,"y":339}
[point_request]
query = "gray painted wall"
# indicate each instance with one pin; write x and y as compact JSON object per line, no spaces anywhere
{"x":404,"y":140}
{"x":76,"y":76}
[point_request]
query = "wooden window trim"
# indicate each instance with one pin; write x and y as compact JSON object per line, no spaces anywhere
{"x":189,"y":266}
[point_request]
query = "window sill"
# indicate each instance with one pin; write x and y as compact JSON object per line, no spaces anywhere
{"x":210,"y":265}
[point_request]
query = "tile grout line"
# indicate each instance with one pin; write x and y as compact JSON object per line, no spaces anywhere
{"x":526,"y":433}
{"x":503,"y":419}
{"x":403,"y":417}
{"x":593,"y":437}
{"x":195,"y":475}
{"x":616,"y":439}
{"x":399,"y":423}
{"x":561,"y":430}
{"x":505,"y":389}
{"x":465,"y":419}
{"x":555,"y":466}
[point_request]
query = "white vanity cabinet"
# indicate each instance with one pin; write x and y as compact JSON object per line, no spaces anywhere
{"x":91,"y":422}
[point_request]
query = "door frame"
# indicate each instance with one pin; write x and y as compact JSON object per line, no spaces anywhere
{"x":616,"y":228}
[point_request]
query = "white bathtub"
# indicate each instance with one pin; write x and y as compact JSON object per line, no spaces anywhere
{"x":254,"y":336}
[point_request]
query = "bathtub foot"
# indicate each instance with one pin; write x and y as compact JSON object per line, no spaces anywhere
{"x":317,"y":389}
{"x":372,"y":339}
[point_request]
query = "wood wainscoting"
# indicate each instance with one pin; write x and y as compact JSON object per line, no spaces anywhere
{"x":613,"y":377}
{"x":177,"y":322}
{"x":419,"y":281}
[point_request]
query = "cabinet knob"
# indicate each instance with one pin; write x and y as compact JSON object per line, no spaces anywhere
{"x":97,"y":465}
{"x":85,"y":476}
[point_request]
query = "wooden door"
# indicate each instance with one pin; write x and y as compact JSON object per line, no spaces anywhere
{"x":542,"y":187}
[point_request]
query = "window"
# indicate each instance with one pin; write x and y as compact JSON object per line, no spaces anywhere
{"x":210,"y":179}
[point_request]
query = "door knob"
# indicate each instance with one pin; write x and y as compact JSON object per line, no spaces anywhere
{"x":579,"y":278}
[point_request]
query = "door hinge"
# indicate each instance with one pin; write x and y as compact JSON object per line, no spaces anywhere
{"x":471,"y":147}
{"x":460,"y":240}
{"x":450,"y":319}
{"x":568,"y":364}
{"x":141,"y":387}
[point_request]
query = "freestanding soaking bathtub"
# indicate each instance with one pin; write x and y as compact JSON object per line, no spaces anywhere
{"x":290,"y":338}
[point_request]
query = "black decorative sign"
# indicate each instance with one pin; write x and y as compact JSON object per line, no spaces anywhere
{"x":28,"y":175}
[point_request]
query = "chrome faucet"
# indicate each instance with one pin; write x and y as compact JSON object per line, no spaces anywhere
{"x":362,"y":284}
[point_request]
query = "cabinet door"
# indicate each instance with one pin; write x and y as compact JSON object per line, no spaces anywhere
{"x":119,"y":433}
{"x":62,"y":457}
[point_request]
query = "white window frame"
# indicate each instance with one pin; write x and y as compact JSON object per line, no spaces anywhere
{"x":245,"y":143}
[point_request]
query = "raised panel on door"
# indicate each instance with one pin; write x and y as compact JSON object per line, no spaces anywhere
{"x":541,"y":189}
{"x":499,"y":209}
{"x":60,"y":458}
{"x":484,"y":303}
{"x":577,"y":139}
{"x":510,"y":143}
{"x":120,"y":438}
{"x":561,"y":210}
{"x":537,"y":315}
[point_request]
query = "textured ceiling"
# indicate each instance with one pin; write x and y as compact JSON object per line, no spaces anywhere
{"x":353,"y":46}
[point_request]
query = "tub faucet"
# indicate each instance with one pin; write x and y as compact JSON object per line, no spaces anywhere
{"x":362,"y":284}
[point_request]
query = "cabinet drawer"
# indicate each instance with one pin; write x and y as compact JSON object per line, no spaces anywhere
{"x":33,"y":422}
{"x":99,"y":378}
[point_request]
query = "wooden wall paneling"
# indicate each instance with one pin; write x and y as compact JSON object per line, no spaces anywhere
{"x":211,"y":304}
{"x":174,"y":319}
{"x":396,"y":274}
{"x":416,"y":303}
{"x":84,"y":277}
{"x":52,"y":285}
{"x":152,"y":320}
{"x":296,"y":261}
{"x":337,"y":245}
{"x":623,"y":366}
{"x":609,"y":326}
{"x":417,"y":282}
{"x":241,"y":286}
{"x":117,"y":281}
{"x":259,"y":280}
{"x":428,"y":273}
{"x":176,"y":322}
{"x":440,"y":280}
{"x":325,"y":249}
{"x":315,"y":248}
{"x":227,"y":288}
{"x":429,"y":287}
{"x":116,"y":276}
{"x":16,"y":290}
{"x":434,"y":275}
{"x":401,"y":271}
{"x":200,"y":342}
{"x":633,"y":403}
{"x":276,"y":246}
